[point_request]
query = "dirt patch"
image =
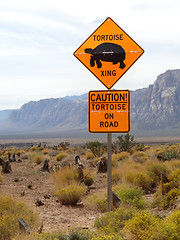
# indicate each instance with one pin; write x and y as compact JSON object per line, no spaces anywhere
{"x":27,"y":183}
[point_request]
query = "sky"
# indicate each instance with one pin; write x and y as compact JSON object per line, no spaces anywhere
{"x":38,"y":39}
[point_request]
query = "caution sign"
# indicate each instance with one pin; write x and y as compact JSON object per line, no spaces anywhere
{"x":109,"y":111}
{"x":109,"y":52}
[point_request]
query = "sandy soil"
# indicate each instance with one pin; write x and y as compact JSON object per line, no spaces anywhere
{"x":52,"y":213}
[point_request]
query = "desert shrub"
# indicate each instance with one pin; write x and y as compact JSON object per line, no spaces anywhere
{"x":168,"y":153}
{"x":140,"y":226}
{"x":33,"y":148}
{"x":131,"y":196}
{"x":169,"y":229}
{"x":70,"y":195}
{"x":64,"y":145}
{"x":121,"y":156}
{"x":45,"y":151}
{"x":124,"y":143}
{"x":139,"y":156}
{"x":96,"y":148}
{"x":110,"y":236}
{"x":173,"y":164}
{"x":169,"y":198}
{"x":174,"y":218}
{"x":129,"y":169}
{"x":113,"y":222}
{"x":64,"y":177}
{"x":79,"y":234}
{"x":89,"y":154}
{"x":57,"y":235}
{"x":88,"y":180}
{"x":97,"y":202}
{"x":116,"y":176}
{"x":24,"y":156}
{"x":37,"y":159}
{"x":143,"y":181}
{"x":140,"y":147}
{"x":155,"y":171}
{"x":10,"y":210}
{"x":60,"y":156}
{"x":114,"y":162}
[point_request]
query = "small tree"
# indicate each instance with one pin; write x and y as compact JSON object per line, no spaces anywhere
{"x":64,"y":145}
{"x":96,"y":147}
{"x":124,"y":143}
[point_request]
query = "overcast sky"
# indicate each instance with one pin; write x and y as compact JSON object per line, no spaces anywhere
{"x":38,"y":38}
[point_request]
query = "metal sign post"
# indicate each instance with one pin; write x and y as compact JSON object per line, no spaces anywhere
{"x":109,"y":170}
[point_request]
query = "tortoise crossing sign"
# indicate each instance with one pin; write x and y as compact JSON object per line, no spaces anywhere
{"x":109,"y":111}
{"x":109,"y":52}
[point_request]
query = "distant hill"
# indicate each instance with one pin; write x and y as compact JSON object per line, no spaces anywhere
{"x":155,"y":110}
{"x":4,"y":114}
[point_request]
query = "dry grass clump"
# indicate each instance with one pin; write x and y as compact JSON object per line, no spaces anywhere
{"x":97,"y":202}
{"x":89,"y":155}
{"x":67,"y":181}
{"x":37,"y":159}
{"x":71,"y":194}
{"x":139,"y":156}
{"x":65,"y":176}
{"x":121,"y":156}
{"x":116,"y":175}
{"x":61,"y":156}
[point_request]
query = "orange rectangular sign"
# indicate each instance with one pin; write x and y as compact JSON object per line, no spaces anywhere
{"x":109,"y":111}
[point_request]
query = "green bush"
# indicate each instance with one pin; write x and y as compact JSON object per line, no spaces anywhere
{"x":79,"y":234}
{"x":124,"y":143}
{"x":140,"y":226}
{"x":168,"y":154}
{"x":131,"y":196}
{"x":96,"y":148}
{"x":169,"y":198}
{"x":88,"y":180}
{"x":10,"y":210}
{"x":111,"y":236}
{"x":70,"y":195}
{"x":97,"y":202}
{"x":155,"y":170}
{"x":169,"y":229}
{"x":113,"y":222}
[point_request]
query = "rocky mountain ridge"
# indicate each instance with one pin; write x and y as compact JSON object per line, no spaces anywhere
{"x":155,"y":108}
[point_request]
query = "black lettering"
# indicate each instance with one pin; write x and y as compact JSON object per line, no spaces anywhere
{"x":115,"y":124}
{"x":102,"y":73}
{"x":123,"y":106}
{"x":116,"y":97}
{"x":102,"y":37}
{"x":98,"y":97}
{"x":101,"y":124}
{"x":102,"y":106}
{"x":98,"y":106}
{"x":121,"y":36}
{"x":92,"y":95}
{"x":114,"y":72}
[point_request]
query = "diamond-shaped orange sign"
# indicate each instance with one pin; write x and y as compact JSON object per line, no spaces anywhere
{"x":109,"y":52}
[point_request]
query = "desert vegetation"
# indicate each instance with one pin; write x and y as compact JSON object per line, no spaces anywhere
{"x":45,"y":183}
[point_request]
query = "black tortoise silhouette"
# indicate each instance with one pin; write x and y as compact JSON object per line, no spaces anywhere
{"x":108,"y":52}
